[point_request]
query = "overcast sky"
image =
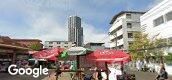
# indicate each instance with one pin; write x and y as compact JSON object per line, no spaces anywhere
{"x":47,"y":19}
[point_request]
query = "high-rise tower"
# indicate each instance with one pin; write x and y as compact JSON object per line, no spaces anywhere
{"x":75,"y":31}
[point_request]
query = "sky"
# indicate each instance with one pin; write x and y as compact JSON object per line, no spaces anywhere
{"x":47,"y":19}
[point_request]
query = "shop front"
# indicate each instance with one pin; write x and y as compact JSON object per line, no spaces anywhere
{"x":10,"y":54}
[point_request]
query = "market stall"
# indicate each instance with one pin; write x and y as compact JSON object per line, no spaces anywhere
{"x":109,"y":56}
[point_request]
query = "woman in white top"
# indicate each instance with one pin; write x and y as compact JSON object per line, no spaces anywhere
{"x":114,"y":71}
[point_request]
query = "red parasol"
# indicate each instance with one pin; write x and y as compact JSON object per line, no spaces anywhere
{"x":109,"y":56}
{"x":49,"y":54}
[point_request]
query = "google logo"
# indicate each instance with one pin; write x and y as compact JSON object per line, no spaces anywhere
{"x":36,"y":72}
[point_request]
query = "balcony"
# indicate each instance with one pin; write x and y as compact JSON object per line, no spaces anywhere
{"x":115,"y":26}
{"x":120,"y":42}
{"x":117,"y":34}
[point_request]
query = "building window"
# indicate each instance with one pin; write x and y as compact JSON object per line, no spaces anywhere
{"x":50,"y":42}
{"x":158,"y":21}
{"x":66,"y":42}
{"x":128,"y":16}
{"x":121,"y":46}
{"x":58,"y":46}
{"x":66,"y":46}
{"x":119,"y":37}
{"x":169,"y":16}
{"x":129,"y":25}
{"x":50,"y":46}
{"x":130,"y":35}
{"x":58,"y":42}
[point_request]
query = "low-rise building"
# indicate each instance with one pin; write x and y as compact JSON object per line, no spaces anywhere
{"x":60,"y":44}
{"x":123,"y":25}
{"x":10,"y":52}
{"x":30,"y":43}
{"x":94,"y":46}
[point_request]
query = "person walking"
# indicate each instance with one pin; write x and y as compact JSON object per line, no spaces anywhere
{"x":99,"y":76}
{"x":163,"y":75}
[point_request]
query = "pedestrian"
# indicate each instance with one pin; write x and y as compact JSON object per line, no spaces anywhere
{"x":138,"y":65}
{"x":104,"y":75}
{"x":99,"y":76}
{"x":88,"y":74}
{"x":58,"y":71}
{"x":163,"y":75}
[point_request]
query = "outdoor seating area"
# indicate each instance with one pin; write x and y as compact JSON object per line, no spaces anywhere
{"x":83,"y":63}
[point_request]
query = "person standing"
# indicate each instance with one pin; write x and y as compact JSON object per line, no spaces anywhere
{"x":104,"y":75}
{"x":99,"y":76}
{"x":138,"y":65}
{"x":163,"y":75}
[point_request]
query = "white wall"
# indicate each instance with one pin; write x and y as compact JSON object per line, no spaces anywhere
{"x":164,"y":30}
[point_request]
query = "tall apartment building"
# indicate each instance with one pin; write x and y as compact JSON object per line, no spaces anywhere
{"x":60,"y":44}
{"x":123,"y":25}
{"x":75,"y":31}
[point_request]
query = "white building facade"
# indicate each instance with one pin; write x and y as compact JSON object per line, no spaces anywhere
{"x":158,"y":20}
{"x":60,"y":44}
{"x":123,"y":25}
{"x":157,"y":23}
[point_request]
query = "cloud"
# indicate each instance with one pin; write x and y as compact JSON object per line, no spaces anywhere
{"x":47,"y":20}
{"x":92,"y":34}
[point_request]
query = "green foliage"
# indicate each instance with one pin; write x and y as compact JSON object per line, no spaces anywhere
{"x":143,"y":47}
{"x":35,"y":47}
{"x":140,"y":42}
{"x":168,"y":57}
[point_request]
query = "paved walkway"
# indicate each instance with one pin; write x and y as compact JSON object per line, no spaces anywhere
{"x":145,"y":75}
{"x":140,"y":75}
{"x":63,"y":76}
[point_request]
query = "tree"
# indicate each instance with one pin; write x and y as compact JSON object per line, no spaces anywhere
{"x":143,"y":47}
{"x":139,"y":45}
{"x":36,"y":47}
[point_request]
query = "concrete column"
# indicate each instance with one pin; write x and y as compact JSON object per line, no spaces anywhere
{"x":13,"y":58}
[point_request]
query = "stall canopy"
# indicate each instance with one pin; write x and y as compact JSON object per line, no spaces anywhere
{"x":49,"y":54}
{"x":78,"y":51}
{"x":109,"y":56}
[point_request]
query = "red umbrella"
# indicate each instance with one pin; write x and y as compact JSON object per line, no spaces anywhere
{"x":49,"y":54}
{"x":109,"y":56}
